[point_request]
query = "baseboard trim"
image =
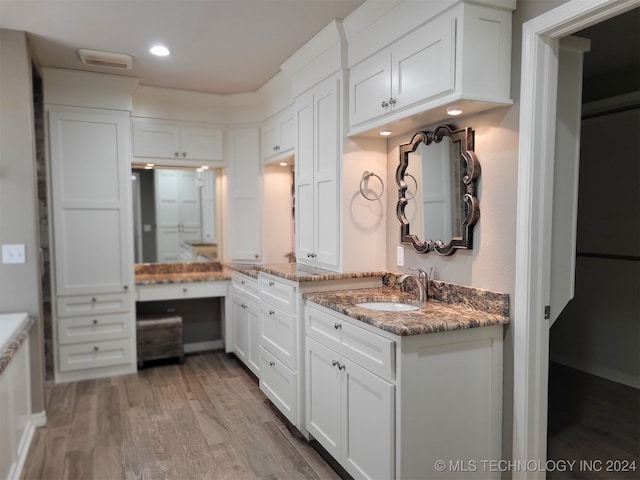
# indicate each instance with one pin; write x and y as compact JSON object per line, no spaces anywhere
{"x":39,"y":419}
{"x":203,"y":346}
{"x":597,"y":370}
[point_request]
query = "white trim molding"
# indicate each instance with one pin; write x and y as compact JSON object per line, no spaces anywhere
{"x":538,"y":91}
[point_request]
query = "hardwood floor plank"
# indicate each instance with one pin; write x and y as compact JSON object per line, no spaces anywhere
{"x":205,"y":419}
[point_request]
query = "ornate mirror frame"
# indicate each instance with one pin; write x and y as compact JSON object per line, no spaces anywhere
{"x":465,"y":137}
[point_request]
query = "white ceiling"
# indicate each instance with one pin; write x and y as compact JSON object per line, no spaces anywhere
{"x":218,"y":46}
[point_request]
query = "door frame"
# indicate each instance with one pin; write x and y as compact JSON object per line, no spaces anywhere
{"x":538,"y":92}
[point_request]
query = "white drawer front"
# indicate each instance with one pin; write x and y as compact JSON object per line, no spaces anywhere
{"x":181,"y":290}
{"x":323,"y":327}
{"x":247,"y":284}
{"x":279,"y":294}
{"x":371,"y":351}
{"x":94,"y":328}
{"x":279,"y":334}
{"x":279,"y":384}
{"x":94,"y":355}
{"x":93,"y":304}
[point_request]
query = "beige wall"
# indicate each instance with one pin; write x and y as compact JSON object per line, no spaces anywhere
{"x":20,"y":283}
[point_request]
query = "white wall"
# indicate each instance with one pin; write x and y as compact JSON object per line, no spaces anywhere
{"x":20,"y":283}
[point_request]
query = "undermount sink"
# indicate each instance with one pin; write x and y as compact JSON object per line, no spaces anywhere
{"x":388,"y":306}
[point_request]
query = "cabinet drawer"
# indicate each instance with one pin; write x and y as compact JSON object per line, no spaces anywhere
{"x":94,"y":328}
{"x":279,"y":384}
{"x":95,"y":355}
{"x":371,"y":351}
{"x":279,"y":294}
{"x":181,"y":290}
{"x":93,"y":304}
{"x":278,"y":334}
{"x":247,"y":284}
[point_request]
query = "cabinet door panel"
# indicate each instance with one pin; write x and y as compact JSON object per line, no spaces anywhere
{"x":370,"y":85}
{"x":240,"y":328}
{"x":168,"y":244}
{"x":279,"y":334}
{"x":323,"y":396}
{"x":90,"y":251}
{"x":428,"y":70}
{"x":368,"y":418}
{"x":190,"y":200}
{"x":201,"y":143}
{"x":304,"y":178}
{"x":253,"y":320}
{"x":155,"y":140}
{"x":167,"y":201}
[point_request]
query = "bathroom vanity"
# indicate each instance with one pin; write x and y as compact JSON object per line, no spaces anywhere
{"x":389,"y":394}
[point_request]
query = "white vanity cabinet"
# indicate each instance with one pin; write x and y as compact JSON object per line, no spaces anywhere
{"x":153,"y":138}
{"x":318,"y":163}
{"x":243,"y":159}
{"x":246,"y":321}
{"x":459,"y":57}
{"x":279,"y":136}
{"x":90,"y":189}
{"x":350,"y":411}
{"x":389,"y":406}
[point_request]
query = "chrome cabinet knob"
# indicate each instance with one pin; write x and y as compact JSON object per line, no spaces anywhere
{"x":271,"y":284}
{"x":392,"y":101}
{"x":384,"y":104}
{"x":337,"y":326}
{"x":271,"y":312}
{"x":96,"y":348}
{"x":176,"y":154}
{"x":184,"y":154}
{"x":272,"y":363}
{"x":95,"y":321}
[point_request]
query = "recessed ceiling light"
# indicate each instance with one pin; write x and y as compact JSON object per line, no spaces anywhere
{"x":160,"y":50}
{"x":385,"y":133}
{"x":283,"y":164}
{"x":454,"y":110}
{"x":205,"y":167}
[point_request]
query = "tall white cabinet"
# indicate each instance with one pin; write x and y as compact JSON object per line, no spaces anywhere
{"x":91,"y":201}
{"x":243,"y":158}
{"x":319,"y":150}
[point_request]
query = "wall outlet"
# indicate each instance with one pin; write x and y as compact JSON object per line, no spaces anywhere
{"x":400,"y":256}
{"x":13,"y":254}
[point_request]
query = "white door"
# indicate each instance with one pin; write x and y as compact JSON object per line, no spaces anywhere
{"x":304,"y":224}
{"x":370,"y":88}
{"x":327,"y":146}
{"x":90,"y":177}
{"x":368,"y":423}
{"x":323,"y":396}
{"x":244,"y":194}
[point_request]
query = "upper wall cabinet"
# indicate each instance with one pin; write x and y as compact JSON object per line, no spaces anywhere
{"x":460,"y":57}
{"x":279,"y":136}
{"x":160,"y":139}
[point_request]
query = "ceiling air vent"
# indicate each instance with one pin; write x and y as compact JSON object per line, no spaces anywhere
{"x":96,"y":58}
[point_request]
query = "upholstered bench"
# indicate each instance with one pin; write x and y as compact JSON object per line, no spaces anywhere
{"x":159,"y":337}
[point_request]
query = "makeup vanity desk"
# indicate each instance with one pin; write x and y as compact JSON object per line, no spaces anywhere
{"x":183,"y":281}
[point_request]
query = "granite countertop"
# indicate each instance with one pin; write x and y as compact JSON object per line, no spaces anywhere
{"x":300,"y":273}
{"x":180,"y":272}
{"x":11,"y":345}
{"x":434,"y":316}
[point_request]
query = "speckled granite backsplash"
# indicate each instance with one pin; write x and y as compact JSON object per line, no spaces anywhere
{"x":470,"y":297}
{"x":177,"y":267}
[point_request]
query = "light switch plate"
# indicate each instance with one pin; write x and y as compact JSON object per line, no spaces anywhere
{"x":400,"y":256}
{"x":13,"y":254}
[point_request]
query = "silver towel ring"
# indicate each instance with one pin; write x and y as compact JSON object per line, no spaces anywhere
{"x":416,"y":189}
{"x":365,"y":177}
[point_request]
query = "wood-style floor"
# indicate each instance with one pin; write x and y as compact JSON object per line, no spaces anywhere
{"x":205,"y":419}
{"x":595,"y":420}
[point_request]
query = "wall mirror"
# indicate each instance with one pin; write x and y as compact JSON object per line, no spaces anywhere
{"x":174,"y":214}
{"x":436,"y":178}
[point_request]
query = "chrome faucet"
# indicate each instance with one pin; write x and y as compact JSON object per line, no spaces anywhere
{"x":422,"y":281}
